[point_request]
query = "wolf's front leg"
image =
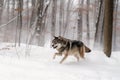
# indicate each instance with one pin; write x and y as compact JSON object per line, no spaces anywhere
{"x":59,"y":54}
{"x":66,"y":55}
{"x":77,"y":57}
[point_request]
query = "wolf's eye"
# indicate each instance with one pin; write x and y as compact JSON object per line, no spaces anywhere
{"x":55,"y":42}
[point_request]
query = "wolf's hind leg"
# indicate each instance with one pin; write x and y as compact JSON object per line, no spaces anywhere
{"x":77,"y":57}
{"x":82,"y":51}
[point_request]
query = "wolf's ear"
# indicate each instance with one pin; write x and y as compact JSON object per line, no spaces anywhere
{"x":60,"y":38}
{"x":55,"y":37}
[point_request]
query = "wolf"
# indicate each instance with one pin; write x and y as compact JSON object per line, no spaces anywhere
{"x":68,"y":47}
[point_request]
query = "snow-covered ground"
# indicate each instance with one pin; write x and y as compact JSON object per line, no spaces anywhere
{"x":15,"y":65}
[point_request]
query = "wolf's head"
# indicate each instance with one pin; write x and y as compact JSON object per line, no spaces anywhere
{"x":58,"y":42}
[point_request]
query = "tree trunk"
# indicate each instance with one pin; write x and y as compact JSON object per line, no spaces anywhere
{"x":33,"y":14}
{"x":19,"y":22}
{"x":116,"y":2}
{"x":1,"y":9}
{"x":108,"y":26}
{"x":88,"y":26}
{"x":67,"y":17}
{"x":39,"y":31}
{"x":39,"y":24}
{"x":80,"y":21}
{"x":99,"y":27}
{"x":8,"y":16}
{"x":54,"y":10}
{"x":61,"y":17}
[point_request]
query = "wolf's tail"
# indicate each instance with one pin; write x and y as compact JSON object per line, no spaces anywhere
{"x":87,"y":50}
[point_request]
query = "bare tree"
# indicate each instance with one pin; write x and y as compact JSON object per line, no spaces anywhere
{"x":80,"y":20}
{"x":108,"y":26}
{"x":99,"y":26}
{"x":33,"y":13}
{"x":14,"y":22}
{"x":37,"y":21}
{"x":42,"y":7}
{"x":7,"y":19}
{"x":54,"y":12}
{"x":67,"y":20}
{"x":1,"y":9}
{"x":19,"y":22}
{"x":116,"y":4}
{"x":88,"y":26}
{"x":61,"y":17}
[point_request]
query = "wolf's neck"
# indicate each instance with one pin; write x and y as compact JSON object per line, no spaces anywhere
{"x":61,"y":49}
{"x":65,"y":47}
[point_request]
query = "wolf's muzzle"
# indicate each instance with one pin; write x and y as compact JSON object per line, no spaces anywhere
{"x":54,"y":46}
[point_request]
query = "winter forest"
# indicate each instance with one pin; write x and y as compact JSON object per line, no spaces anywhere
{"x":27,"y":28}
{"x":36,"y":21}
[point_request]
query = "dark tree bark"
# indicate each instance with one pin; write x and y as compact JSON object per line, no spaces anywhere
{"x":108,"y":26}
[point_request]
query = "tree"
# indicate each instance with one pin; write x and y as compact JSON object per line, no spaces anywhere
{"x":108,"y":26}
{"x":61,"y":17}
{"x":1,"y":9}
{"x":88,"y":26}
{"x":99,"y":26}
{"x":19,"y":22}
{"x":41,"y":12}
{"x":33,"y":13}
{"x":54,"y":10}
{"x":67,"y":20}
{"x":80,"y":20}
{"x":116,"y":4}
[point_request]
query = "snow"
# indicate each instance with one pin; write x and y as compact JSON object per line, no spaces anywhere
{"x":14,"y":65}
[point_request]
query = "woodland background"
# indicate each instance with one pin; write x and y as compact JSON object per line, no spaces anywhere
{"x":37,"y":21}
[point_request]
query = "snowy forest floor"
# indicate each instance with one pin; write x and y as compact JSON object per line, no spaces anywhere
{"x":14,"y":65}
